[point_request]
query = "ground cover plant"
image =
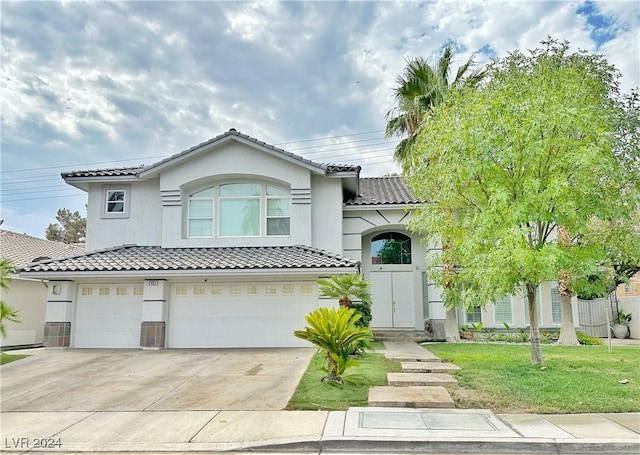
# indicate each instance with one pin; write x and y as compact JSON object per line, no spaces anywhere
{"x":575,"y":379}
{"x":6,"y":358}
{"x":314,"y":394}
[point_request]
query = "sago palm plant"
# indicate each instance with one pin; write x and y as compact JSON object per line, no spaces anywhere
{"x":347,"y":288}
{"x":334,"y":330}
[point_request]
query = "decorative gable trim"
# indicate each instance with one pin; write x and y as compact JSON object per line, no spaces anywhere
{"x":301,"y":195}
{"x":171,"y":198}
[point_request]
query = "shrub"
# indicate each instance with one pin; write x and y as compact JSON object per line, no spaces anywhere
{"x":585,"y":339}
{"x":335,"y":331}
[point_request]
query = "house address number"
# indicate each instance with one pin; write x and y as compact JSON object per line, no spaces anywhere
{"x":153,"y":282}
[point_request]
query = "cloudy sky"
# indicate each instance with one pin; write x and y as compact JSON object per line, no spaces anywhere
{"x":99,"y":84}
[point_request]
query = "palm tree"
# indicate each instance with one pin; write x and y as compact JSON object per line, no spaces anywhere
{"x":7,"y":313}
{"x":347,"y":288}
{"x":334,"y":330}
{"x":419,"y":89}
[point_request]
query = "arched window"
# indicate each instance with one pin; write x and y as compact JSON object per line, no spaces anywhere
{"x":239,"y":209}
{"x":391,"y":248}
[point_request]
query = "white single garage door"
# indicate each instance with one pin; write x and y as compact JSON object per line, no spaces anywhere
{"x":249,"y":314}
{"x":108,"y":316}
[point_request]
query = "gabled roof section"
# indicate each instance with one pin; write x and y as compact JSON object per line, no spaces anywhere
{"x":126,"y":173}
{"x":22,"y":249}
{"x":232,"y":134}
{"x":128,"y":259}
{"x":383,"y":191}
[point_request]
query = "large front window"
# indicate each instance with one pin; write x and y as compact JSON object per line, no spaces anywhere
{"x":239,"y":210}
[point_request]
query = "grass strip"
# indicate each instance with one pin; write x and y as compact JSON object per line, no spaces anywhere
{"x":313,"y":394}
{"x":574,"y":379}
{"x":6,"y":358}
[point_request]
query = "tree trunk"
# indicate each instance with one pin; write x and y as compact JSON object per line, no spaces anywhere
{"x":451,"y":331}
{"x":567,"y":328}
{"x":534,"y":330}
{"x":332,"y":367}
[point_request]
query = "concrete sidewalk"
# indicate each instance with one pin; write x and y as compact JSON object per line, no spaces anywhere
{"x":391,"y":430}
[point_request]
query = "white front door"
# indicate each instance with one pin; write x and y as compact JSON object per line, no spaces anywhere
{"x":392,"y":299}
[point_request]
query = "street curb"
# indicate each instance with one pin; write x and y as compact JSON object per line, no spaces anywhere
{"x":523,"y":447}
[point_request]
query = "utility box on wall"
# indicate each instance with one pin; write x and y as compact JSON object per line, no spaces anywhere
{"x":435,"y":328}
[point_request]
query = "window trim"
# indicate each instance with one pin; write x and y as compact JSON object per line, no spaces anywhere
{"x":106,"y":190}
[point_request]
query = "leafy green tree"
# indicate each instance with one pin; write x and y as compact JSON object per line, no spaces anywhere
{"x":7,"y":313}
{"x":347,"y":288}
{"x":335,"y":331}
{"x":419,"y":89}
{"x":505,"y":165}
{"x":71,"y":227}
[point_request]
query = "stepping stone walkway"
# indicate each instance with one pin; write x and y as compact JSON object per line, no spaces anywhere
{"x":421,"y":382}
{"x":409,"y":379}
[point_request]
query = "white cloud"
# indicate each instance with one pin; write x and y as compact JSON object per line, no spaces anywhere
{"x":93,"y":82}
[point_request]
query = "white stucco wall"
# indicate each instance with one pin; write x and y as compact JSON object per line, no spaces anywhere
{"x":326,"y":214}
{"x":142,"y":226}
{"x":29,"y":297}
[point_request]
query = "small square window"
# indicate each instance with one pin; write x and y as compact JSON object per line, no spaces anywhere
{"x":198,"y":290}
{"x":270,"y":290}
{"x":104,"y":291}
{"x":87,"y":291}
{"x":234,"y":289}
{"x":115,"y":201}
{"x":137,"y":290}
{"x":121,"y":291}
{"x":217,"y":290}
{"x":181,"y":290}
{"x":287,"y":289}
{"x":252,"y":289}
{"x":306,"y":289}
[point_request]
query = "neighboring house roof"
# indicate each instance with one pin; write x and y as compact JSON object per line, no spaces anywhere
{"x":134,"y":258}
{"x":23,"y":249}
{"x":383,"y":191}
{"x":232,"y":134}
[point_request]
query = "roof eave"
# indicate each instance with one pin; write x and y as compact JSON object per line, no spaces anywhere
{"x":404,"y":206}
{"x":308,"y":271}
{"x":78,"y":182}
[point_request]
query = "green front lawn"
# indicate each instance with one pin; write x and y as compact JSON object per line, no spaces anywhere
{"x":6,"y":358}
{"x":312,"y":393}
{"x":575,"y":379}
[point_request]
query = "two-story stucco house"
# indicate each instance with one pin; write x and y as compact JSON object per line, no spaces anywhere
{"x":222,"y":245}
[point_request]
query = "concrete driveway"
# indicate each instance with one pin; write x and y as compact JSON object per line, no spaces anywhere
{"x":168,"y":380}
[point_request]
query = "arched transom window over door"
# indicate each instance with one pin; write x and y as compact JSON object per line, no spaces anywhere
{"x":391,"y":248}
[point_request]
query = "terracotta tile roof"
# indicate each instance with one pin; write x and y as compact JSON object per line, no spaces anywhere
{"x":135,"y":171}
{"x":154,"y":258}
{"x":116,"y":172}
{"x":23,"y":249}
{"x":383,"y":191}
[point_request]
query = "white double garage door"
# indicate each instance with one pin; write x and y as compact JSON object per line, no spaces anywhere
{"x":199,"y":315}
